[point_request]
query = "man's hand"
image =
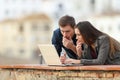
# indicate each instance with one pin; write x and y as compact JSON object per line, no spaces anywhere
{"x":63,"y":58}
{"x":68,"y":43}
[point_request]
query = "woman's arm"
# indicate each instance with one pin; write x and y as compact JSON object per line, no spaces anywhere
{"x":103,"y":52}
{"x":70,"y":60}
{"x":79,"y":49}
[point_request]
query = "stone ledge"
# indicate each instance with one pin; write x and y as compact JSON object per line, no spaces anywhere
{"x":43,"y":72}
{"x":45,"y":67}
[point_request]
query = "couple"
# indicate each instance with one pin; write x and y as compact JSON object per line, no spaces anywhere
{"x":84,"y":44}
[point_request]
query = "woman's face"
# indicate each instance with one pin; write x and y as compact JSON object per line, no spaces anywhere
{"x":78,"y":36}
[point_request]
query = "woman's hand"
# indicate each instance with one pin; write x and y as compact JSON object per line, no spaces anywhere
{"x":79,"y":48}
{"x":68,"y":61}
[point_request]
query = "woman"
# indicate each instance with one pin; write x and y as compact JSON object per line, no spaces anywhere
{"x":95,"y":47}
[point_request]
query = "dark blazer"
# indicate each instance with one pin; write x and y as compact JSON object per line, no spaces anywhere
{"x":57,"y":42}
{"x":102,"y":50}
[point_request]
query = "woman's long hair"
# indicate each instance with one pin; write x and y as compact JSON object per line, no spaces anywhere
{"x":90,"y":34}
{"x":114,"y":46}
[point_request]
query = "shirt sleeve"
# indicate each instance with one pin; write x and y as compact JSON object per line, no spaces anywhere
{"x":56,"y":43}
{"x":103,"y":53}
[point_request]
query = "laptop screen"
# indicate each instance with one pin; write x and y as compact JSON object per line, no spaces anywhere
{"x":49,"y":54}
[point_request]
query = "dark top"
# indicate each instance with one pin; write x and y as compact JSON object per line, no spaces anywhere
{"x":57,"y":42}
{"x":93,"y":54}
{"x":102,"y":51}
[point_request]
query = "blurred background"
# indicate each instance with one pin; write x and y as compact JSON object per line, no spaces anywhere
{"x":26,"y":23}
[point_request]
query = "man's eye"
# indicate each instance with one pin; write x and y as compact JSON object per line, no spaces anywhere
{"x":67,"y":31}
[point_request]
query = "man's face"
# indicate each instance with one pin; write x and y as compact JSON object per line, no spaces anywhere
{"x":67,"y":31}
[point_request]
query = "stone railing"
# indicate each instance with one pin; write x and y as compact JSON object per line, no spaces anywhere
{"x":43,"y":72}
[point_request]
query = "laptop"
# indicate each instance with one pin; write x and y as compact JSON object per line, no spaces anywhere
{"x":50,"y":55}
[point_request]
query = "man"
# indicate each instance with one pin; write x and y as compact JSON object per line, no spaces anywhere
{"x":64,"y":37}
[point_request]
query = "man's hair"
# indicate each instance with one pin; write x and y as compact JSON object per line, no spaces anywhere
{"x":67,"y":20}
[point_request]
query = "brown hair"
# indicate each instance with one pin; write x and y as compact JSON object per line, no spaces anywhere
{"x":90,"y":34}
{"x":67,"y":20}
{"x":114,"y":46}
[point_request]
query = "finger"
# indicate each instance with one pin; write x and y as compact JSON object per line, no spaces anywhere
{"x":78,"y":46}
{"x":68,"y":61}
{"x":65,"y":54}
{"x":70,"y":38}
{"x":62,"y":57}
{"x":64,"y":40}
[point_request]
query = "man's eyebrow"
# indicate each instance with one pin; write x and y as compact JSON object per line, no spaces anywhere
{"x":65,"y":31}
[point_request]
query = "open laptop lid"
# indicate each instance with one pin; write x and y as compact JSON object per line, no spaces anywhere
{"x":49,"y":54}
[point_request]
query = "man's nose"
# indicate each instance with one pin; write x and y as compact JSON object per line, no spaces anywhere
{"x":64,"y":34}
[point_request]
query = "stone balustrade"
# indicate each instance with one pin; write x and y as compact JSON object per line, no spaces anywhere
{"x":43,"y":72}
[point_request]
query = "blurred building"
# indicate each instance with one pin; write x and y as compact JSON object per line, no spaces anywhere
{"x":20,"y":38}
{"x":12,"y":9}
{"x":109,"y":23}
{"x":80,"y":9}
{"x":23,"y":26}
